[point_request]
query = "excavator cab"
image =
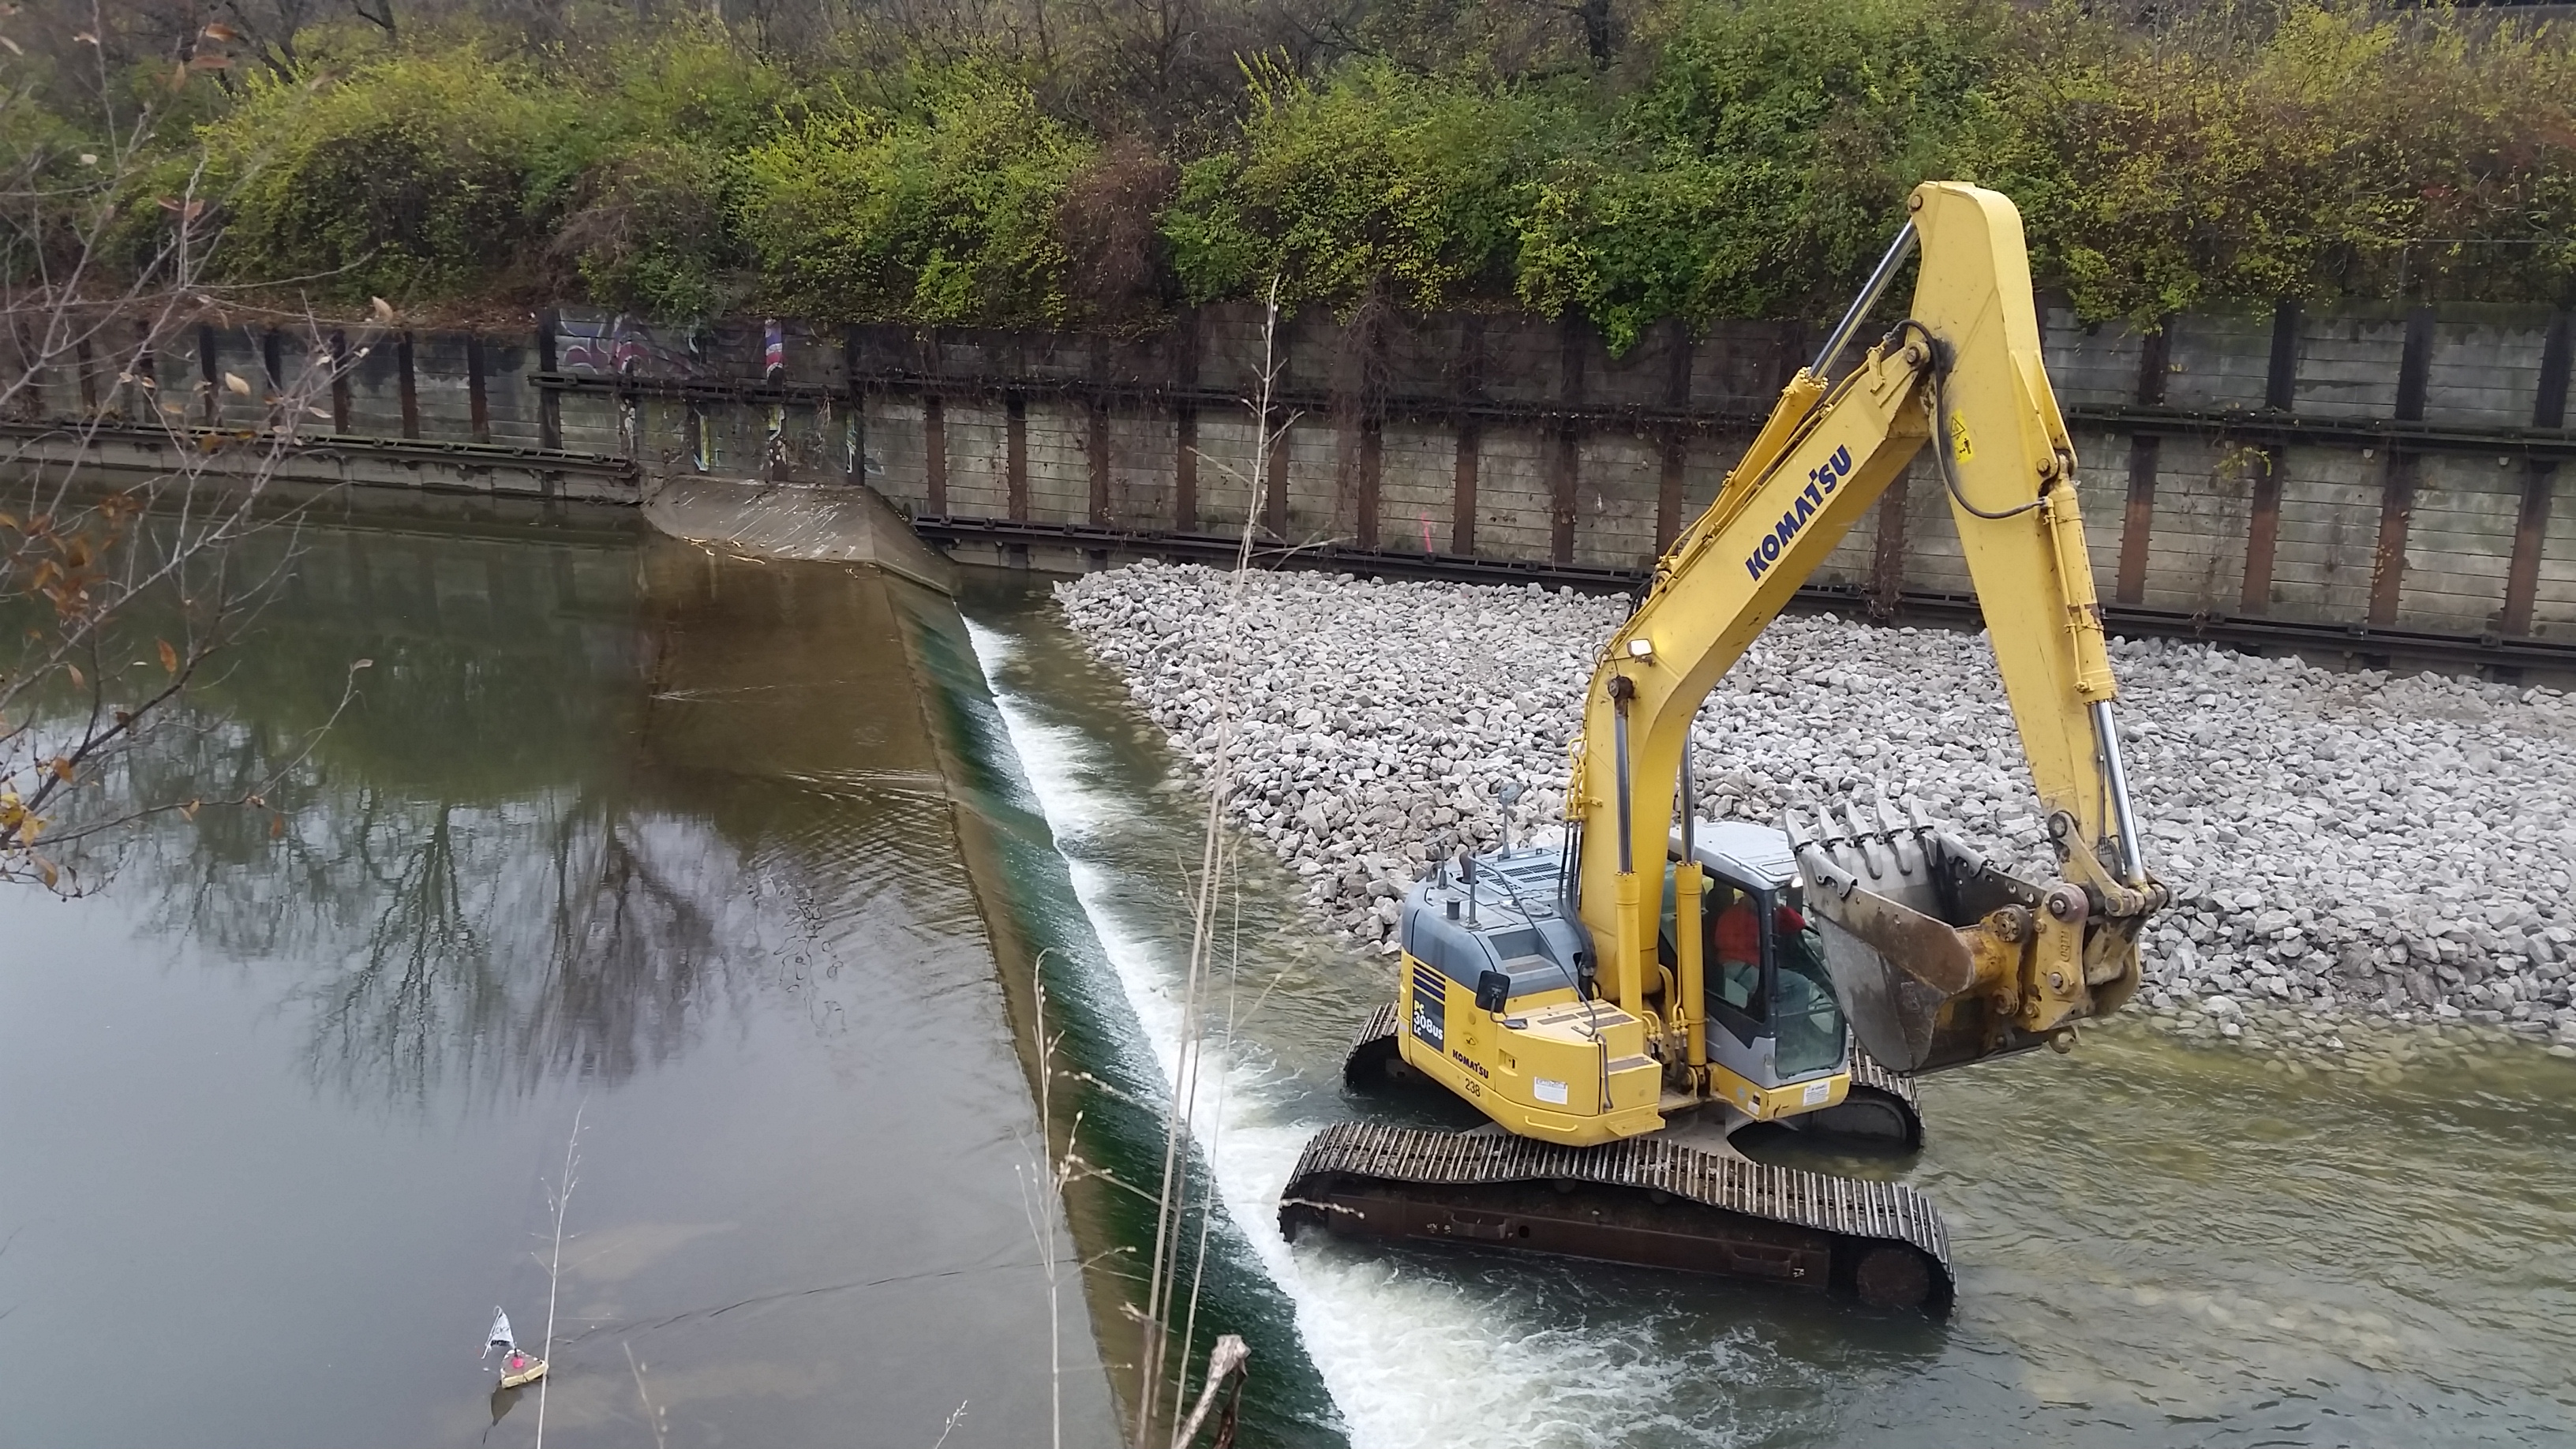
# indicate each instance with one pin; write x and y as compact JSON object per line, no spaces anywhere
{"x":1775,"y":1034}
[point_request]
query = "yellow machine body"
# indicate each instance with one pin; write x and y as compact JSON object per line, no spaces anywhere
{"x":1549,"y":1065}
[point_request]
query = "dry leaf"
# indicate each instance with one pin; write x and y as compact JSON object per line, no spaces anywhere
{"x":89,"y":158}
{"x":179,"y":76}
{"x":384,"y":310}
{"x":221,"y":32}
{"x":362,"y":664}
{"x":209,"y":60}
{"x":46,"y":869}
{"x":62,"y":768}
{"x":233,"y":382}
{"x":13,"y":45}
{"x":188,"y":811}
{"x":85,"y":38}
{"x":317,"y":412}
{"x":78,"y":681}
{"x":169,"y":658}
{"x":276,"y":826}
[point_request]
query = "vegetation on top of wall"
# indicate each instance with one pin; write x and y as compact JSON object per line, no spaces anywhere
{"x":942,"y":210}
{"x":1628,"y":161}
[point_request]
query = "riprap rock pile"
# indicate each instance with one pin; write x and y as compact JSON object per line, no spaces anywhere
{"x":2333,"y":839}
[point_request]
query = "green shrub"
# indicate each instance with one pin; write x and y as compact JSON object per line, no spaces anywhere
{"x":651,"y":234}
{"x":425,"y":174}
{"x":1765,"y":162}
{"x":942,"y":212}
{"x":650,"y":226}
{"x":1747,"y":158}
{"x":2341,"y":153}
{"x":1374,"y":179}
{"x":698,"y":87}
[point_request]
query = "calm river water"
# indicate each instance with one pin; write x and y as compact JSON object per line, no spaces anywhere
{"x":744,"y":865}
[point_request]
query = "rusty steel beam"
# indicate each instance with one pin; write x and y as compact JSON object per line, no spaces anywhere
{"x":2146,"y":453}
{"x":1185,"y":468}
{"x":1563,"y":487}
{"x":549,"y":401}
{"x":408,"y":384}
{"x":1096,"y":455}
{"x":549,"y":427}
{"x":934,"y":437}
{"x":478,"y":403}
{"x":1015,"y":457}
{"x":2397,"y":495}
{"x":2263,"y":522}
{"x":1371,"y":468}
{"x":1887,"y":567}
{"x":1672,"y":480}
{"x":2540,"y":477}
{"x":1468,"y":393}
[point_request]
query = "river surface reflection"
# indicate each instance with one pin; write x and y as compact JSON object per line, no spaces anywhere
{"x":742,"y":864}
{"x":615,"y":828}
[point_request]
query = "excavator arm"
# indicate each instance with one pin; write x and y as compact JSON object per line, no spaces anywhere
{"x":1937,"y":957}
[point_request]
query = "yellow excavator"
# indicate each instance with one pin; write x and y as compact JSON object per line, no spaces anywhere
{"x":1620,"y":1002}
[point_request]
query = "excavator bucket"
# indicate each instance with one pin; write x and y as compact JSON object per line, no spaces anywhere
{"x":1923,"y":938}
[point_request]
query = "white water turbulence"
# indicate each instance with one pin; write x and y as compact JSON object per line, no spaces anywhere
{"x":1414,"y":1353}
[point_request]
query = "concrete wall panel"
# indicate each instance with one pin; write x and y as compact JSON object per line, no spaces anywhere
{"x":2330,"y":509}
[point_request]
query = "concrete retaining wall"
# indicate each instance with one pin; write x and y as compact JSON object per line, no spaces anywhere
{"x":2395,"y":468}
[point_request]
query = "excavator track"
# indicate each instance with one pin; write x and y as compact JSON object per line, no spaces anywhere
{"x":1644,"y":1201}
{"x":1647,"y":1201}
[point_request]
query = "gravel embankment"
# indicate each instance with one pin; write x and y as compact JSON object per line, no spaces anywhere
{"x":2333,"y":839}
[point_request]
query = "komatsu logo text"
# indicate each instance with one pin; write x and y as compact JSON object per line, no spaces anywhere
{"x":1822,"y":480}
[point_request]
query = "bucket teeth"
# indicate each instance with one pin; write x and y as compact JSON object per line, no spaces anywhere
{"x":1894,"y":851}
{"x":1904,"y":849}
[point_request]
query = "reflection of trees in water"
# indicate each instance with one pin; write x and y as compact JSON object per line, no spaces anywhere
{"x":455,"y":947}
{"x":561,"y":827}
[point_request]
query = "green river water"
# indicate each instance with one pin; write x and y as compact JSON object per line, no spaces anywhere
{"x":751,"y":866}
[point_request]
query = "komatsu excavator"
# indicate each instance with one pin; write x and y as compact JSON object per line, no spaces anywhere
{"x":1618,"y":1003}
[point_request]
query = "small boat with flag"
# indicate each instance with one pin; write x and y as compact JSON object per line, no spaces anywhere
{"x":518,"y":1367}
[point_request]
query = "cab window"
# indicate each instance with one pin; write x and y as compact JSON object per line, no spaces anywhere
{"x":1809,"y":1024}
{"x":1733,"y":949}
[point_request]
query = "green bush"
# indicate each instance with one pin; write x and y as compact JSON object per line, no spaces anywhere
{"x":2341,"y":153}
{"x":422,"y":175}
{"x":651,"y":234}
{"x":1745,"y":158}
{"x":942,"y":212}
{"x":650,"y":227}
{"x":1764,"y":163}
{"x":697,"y":86}
{"x":1376,"y":179}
